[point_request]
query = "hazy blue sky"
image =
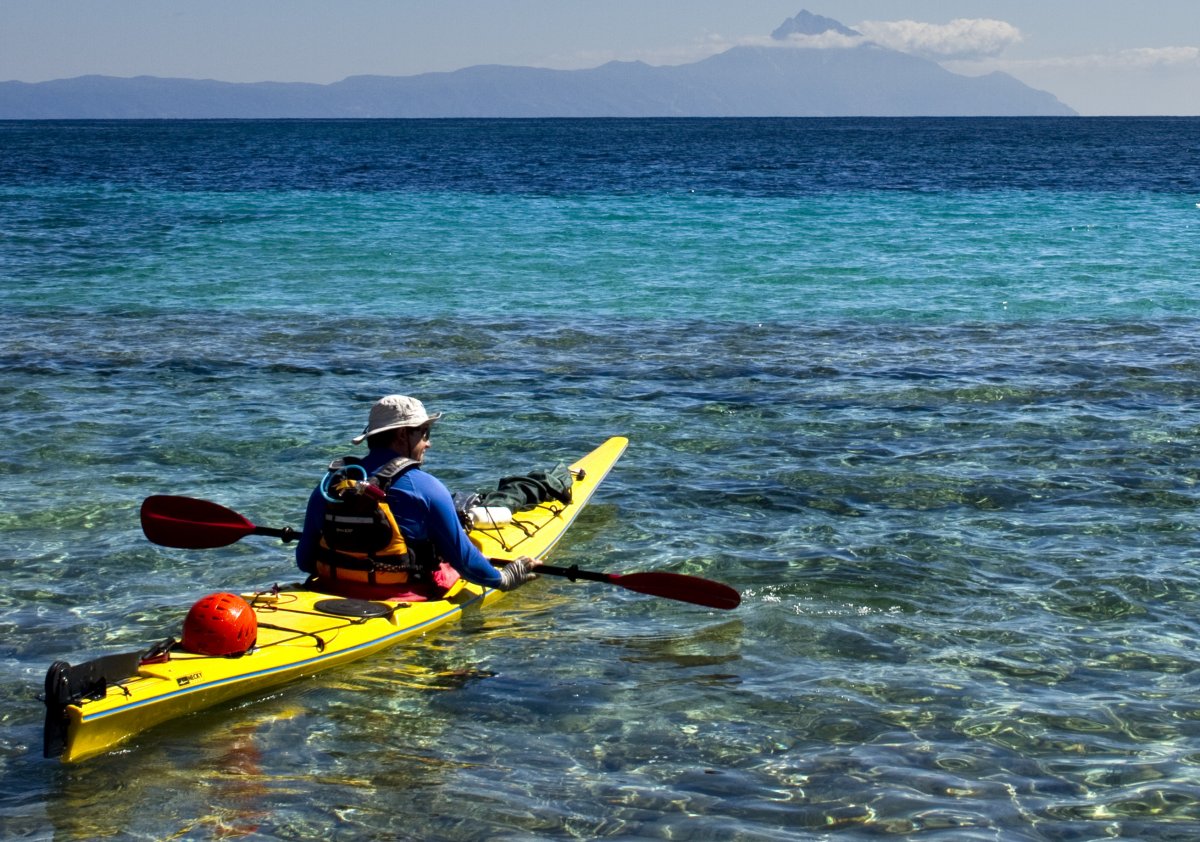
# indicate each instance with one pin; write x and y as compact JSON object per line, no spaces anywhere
{"x":1098,"y":56}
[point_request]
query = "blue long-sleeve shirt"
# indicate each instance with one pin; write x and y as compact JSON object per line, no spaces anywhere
{"x":424,"y":511}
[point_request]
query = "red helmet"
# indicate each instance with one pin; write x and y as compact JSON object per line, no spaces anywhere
{"x":220,"y":624}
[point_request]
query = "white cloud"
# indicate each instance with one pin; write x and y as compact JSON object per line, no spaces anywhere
{"x":1159,"y":56}
{"x":964,"y":38}
{"x":961,"y":39}
{"x":1140,"y":58}
{"x":964,"y":45}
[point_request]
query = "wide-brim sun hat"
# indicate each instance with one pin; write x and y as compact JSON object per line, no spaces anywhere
{"x":393,"y":412}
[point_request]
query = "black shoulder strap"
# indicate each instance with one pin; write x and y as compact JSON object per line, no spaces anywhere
{"x":392,"y":471}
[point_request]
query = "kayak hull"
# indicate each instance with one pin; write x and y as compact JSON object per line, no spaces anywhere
{"x":93,"y":707}
{"x":188,"y":683}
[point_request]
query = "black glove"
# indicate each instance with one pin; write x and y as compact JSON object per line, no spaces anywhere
{"x":516,"y":573}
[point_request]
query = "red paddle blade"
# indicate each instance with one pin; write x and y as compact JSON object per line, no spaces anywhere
{"x":191,"y":524}
{"x":676,"y":586}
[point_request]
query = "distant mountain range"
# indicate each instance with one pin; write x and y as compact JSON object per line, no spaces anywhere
{"x":784,"y":81}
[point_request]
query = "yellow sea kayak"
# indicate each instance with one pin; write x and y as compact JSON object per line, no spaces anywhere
{"x":95,"y":706}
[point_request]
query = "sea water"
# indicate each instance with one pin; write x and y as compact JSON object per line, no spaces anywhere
{"x":926,"y":392}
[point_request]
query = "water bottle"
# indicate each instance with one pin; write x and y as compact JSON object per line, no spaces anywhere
{"x":485,"y":516}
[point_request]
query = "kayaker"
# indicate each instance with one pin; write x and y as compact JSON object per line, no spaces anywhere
{"x":431,"y":548}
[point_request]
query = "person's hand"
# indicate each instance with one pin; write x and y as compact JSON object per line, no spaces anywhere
{"x":518,"y":572}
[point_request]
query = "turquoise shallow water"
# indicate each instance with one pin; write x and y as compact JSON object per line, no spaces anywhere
{"x":925,"y":392}
{"x":978,"y":255}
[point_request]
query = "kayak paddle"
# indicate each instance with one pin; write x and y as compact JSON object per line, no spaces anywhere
{"x":187,"y":523}
{"x":198,"y":524}
{"x":676,"y":586}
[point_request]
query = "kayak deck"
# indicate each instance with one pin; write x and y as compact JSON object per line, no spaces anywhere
{"x":94,"y":706}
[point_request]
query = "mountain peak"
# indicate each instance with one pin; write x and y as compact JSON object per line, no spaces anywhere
{"x":806,"y":23}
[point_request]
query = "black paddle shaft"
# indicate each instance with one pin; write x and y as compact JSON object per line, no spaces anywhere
{"x":286,"y":534}
{"x":573,"y":573}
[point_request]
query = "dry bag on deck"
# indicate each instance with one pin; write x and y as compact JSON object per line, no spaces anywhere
{"x":522,"y":492}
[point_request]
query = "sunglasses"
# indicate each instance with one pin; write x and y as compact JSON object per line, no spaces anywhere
{"x":423,"y":433}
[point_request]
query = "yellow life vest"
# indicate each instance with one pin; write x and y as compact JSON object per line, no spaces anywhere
{"x":360,"y":540}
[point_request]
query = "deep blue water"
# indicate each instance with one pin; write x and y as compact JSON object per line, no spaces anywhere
{"x":925,"y":391}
